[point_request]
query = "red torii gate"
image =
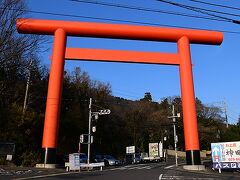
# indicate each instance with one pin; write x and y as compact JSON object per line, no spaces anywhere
{"x":62,"y":29}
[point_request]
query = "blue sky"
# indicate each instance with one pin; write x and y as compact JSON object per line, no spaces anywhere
{"x":216,"y":69}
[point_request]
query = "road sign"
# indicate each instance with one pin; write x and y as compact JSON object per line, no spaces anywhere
{"x":84,"y":139}
{"x":226,"y":165}
{"x":130,"y":149}
{"x":104,"y":111}
{"x":226,"y":155}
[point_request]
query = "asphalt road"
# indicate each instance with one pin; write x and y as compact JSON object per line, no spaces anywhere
{"x":153,"y":171}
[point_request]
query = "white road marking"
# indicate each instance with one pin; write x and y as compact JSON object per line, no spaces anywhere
{"x":131,"y":167}
{"x":168,"y":167}
{"x":171,"y":166}
{"x":135,"y":165}
{"x":160,"y":177}
{"x":120,"y":168}
{"x":47,"y":175}
{"x":144,"y":167}
{"x":183,"y":177}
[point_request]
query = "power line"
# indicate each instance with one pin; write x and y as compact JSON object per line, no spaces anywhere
{"x":127,"y":95}
{"x":194,"y":9}
{"x":204,"y":11}
{"x":219,"y":12}
{"x":147,"y":9}
{"x":233,"y":118}
{"x":98,"y":106}
{"x":213,"y":4}
{"x":123,"y":21}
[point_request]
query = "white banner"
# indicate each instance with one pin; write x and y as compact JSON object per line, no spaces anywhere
{"x":160,"y":146}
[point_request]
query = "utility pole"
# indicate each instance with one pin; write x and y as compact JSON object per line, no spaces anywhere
{"x":238,"y":123}
{"x":174,"y":133}
{"x":26,"y":91}
{"x":173,"y":117}
{"x":89,"y":129}
{"x":225,"y":111}
{"x":224,"y":108}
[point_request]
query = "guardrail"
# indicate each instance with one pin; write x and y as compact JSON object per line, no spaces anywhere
{"x":88,"y":166}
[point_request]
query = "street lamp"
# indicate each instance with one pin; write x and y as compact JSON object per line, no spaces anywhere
{"x":173,"y":117}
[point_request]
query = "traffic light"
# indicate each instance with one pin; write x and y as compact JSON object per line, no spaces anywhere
{"x":81,"y":138}
{"x":94,"y":125}
{"x":94,"y":129}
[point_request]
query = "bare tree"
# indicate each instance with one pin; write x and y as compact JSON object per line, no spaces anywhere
{"x":15,"y":49}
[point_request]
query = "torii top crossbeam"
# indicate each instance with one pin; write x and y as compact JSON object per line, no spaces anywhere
{"x":118,"y":31}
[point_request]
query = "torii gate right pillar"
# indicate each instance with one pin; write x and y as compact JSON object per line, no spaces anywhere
{"x":188,"y":103}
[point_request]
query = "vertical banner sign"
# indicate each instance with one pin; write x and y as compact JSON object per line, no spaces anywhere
{"x":160,"y":149}
{"x":153,"y":150}
{"x":226,"y":155}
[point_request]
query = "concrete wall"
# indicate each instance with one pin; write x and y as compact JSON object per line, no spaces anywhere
{"x":183,"y":154}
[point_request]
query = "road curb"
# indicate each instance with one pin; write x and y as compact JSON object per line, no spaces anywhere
{"x":207,"y":171}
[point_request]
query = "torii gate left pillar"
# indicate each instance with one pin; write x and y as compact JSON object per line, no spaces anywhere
{"x":183,"y":37}
{"x":53,"y":105}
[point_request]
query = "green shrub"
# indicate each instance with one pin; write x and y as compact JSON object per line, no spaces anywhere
{"x":30,"y":158}
{"x":3,"y":160}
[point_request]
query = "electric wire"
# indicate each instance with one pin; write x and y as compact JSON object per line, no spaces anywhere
{"x":203,"y":11}
{"x":217,"y":5}
{"x":127,"y":94}
{"x":123,"y":21}
{"x":233,"y":118}
{"x":219,"y":12}
{"x":146,"y":9}
{"x":232,"y":112}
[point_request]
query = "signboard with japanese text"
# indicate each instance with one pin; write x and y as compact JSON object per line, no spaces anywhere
{"x":153,"y":150}
{"x":130,"y":149}
{"x":226,"y":155}
{"x":74,"y":161}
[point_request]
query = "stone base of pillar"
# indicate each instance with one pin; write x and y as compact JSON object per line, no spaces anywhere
{"x":194,"y":167}
{"x":193,"y":157}
{"x":47,"y":166}
{"x":50,"y":156}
